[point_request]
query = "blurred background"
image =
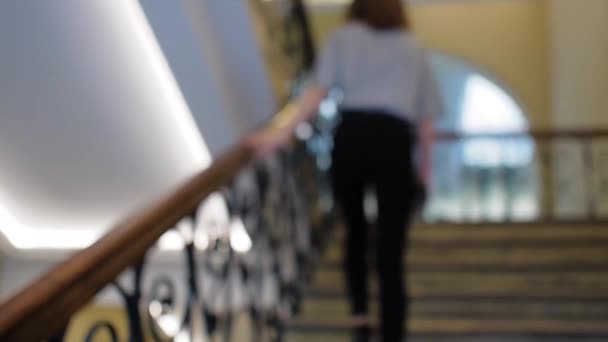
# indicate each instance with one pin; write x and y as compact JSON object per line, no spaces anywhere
{"x":107,"y":105}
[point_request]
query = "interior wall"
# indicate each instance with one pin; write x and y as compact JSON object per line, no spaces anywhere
{"x":580,"y":63}
{"x":192,"y":61}
{"x":214,"y":55}
{"x":236,"y":45}
{"x":506,"y":38}
{"x":92,"y":123}
{"x":100,"y":106}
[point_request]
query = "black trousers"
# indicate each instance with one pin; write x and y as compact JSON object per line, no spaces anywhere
{"x":375,"y":149}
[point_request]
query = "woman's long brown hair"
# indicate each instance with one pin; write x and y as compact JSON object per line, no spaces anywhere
{"x":380,"y":14}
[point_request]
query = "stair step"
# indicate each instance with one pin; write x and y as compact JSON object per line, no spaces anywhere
{"x":470,"y":327}
{"x":588,"y":310}
{"x":573,"y":285}
{"x":343,"y":336}
{"x":495,"y":258}
{"x":474,"y":283}
{"x":532,"y":235}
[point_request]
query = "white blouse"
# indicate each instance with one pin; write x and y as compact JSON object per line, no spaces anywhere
{"x":379,"y":70}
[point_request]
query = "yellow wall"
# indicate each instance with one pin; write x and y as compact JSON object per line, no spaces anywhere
{"x":506,"y":38}
{"x":580,"y":63}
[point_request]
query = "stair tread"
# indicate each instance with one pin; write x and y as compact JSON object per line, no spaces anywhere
{"x":485,"y":284}
{"x":454,"y":258}
{"x":478,"y":326}
{"x":439,"y":235}
{"x":471,"y":308}
{"x":344,"y":336}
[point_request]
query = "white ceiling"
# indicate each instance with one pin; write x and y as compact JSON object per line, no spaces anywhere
{"x":92,"y":123}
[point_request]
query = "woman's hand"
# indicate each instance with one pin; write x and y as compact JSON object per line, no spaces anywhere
{"x":267,"y":141}
{"x":277,"y":134}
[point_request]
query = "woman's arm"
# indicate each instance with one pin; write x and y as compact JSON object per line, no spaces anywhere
{"x":300,"y":110}
{"x":282,"y":126}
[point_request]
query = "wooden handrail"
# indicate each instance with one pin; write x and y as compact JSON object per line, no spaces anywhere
{"x":534,"y":134}
{"x":44,"y":308}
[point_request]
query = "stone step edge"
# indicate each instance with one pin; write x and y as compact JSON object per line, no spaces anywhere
{"x":464,"y":327}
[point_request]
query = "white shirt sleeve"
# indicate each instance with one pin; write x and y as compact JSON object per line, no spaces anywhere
{"x":327,"y":65}
{"x":429,"y":101}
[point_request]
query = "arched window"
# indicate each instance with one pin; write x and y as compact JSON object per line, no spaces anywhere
{"x":487,"y":109}
{"x":484,"y":178}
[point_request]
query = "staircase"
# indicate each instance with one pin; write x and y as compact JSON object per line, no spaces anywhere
{"x":507,"y":282}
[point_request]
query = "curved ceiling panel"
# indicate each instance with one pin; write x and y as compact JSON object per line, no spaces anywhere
{"x":92,"y":122}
